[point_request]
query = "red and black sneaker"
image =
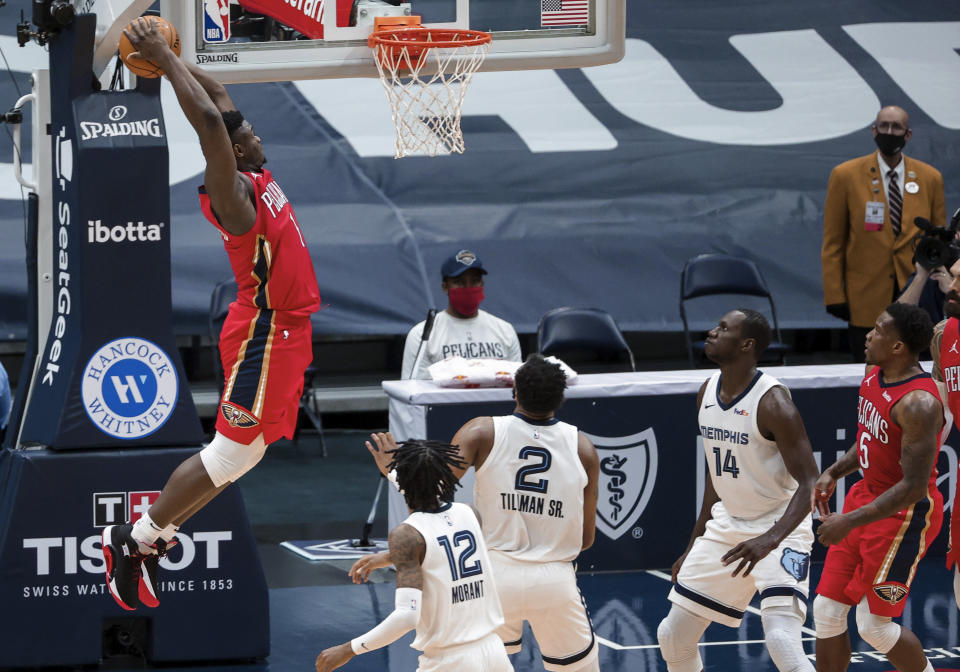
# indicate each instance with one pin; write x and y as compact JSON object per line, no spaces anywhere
{"x":122,"y":556}
{"x":149,"y":592}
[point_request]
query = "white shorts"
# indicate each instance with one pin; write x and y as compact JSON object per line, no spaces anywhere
{"x":546,"y":596}
{"x":484,"y":655}
{"x":705,"y":587}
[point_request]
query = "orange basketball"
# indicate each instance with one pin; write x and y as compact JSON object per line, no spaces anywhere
{"x":140,"y":66}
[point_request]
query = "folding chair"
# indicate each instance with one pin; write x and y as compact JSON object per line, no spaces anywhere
{"x":712,"y":274}
{"x":587,"y":338}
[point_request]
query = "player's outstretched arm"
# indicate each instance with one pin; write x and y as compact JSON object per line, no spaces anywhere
{"x":919,"y":415}
{"x":230,"y":193}
{"x":827,"y":482}
{"x":217,"y":91}
{"x":591,"y":464}
{"x":779,"y":420}
{"x":361,"y":569}
{"x":474,"y":441}
{"x":407,"y":549}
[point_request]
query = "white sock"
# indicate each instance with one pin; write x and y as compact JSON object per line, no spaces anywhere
{"x":168,"y":532}
{"x":145,"y":533}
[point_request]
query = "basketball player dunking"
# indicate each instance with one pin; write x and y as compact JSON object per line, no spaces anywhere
{"x":894,"y":513}
{"x":265,"y":344}
{"x":445,"y":585}
{"x":536,"y":495}
{"x":756,"y":507}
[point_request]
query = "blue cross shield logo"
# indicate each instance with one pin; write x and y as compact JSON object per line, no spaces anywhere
{"x":628,"y":470}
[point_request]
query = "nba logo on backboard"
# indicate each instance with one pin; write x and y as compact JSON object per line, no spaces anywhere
{"x":139,"y":503}
{"x":216,"y":21}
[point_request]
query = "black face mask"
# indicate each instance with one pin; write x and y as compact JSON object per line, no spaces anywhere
{"x":890,"y":144}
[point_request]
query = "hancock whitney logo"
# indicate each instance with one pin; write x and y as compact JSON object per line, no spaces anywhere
{"x":628,"y":470}
{"x":129,"y":388}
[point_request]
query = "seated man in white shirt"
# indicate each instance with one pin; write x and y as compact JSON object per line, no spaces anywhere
{"x":462,"y":329}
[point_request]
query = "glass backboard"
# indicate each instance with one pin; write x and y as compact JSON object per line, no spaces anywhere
{"x":276,"y":40}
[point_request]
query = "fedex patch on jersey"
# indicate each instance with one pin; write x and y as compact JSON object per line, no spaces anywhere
{"x":216,"y":21}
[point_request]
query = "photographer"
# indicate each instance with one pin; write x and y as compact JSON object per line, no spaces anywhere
{"x":936,"y":252}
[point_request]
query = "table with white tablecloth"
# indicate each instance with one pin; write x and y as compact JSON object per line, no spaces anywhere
{"x":644,"y":425}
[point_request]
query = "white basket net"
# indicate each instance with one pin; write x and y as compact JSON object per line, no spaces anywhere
{"x":425,"y":87}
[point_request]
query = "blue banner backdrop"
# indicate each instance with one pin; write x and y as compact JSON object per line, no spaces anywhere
{"x":716,"y":133}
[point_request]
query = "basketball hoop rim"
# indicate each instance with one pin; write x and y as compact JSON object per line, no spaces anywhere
{"x":402,"y":38}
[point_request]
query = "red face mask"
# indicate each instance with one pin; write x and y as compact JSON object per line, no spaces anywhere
{"x":466,"y":300}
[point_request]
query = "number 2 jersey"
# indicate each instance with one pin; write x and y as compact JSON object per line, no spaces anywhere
{"x":529,"y":490}
{"x":878,"y":436}
{"x":746,"y":468}
{"x":460,"y":603}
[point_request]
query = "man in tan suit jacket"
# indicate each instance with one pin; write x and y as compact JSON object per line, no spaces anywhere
{"x":866,"y":261}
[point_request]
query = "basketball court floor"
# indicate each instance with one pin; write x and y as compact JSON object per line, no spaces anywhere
{"x":625,"y":609}
{"x":296,"y":494}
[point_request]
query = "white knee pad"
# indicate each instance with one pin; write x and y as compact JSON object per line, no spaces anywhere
{"x":782,"y":629}
{"x":226,"y":460}
{"x":829,"y":617}
{"x":678,"y":635}
{"x":956,"y":583}
{"x":880,"y":632}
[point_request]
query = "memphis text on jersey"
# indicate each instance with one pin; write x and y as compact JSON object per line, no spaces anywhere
{"x":516,"y":501}
{"x":721,"y":434}
{"x":871,"y":420}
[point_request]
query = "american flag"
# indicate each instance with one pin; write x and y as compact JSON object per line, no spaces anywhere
{"x":564,"y":12}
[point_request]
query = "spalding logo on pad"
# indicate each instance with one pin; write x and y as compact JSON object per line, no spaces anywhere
{"x":129,"y":388}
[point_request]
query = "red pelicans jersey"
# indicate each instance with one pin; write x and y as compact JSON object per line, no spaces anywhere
{"x":265,"y":343}
{"x":270,"y":262}
{"x":950,"y":368}
{"x":878,"y":436}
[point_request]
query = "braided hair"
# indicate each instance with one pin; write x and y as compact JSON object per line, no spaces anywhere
{"x":424,"y":473}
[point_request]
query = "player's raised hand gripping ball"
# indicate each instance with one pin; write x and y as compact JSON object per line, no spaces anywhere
{"x":136,"y":39}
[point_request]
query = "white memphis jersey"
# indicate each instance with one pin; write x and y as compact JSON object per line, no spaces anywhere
{"x":460,"y":603}
{"x":747,"y":470}
{"x":529,"y":491}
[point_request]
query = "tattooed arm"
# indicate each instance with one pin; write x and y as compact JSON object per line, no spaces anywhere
{"x":920,"y":416}
{"x":407,"y":550}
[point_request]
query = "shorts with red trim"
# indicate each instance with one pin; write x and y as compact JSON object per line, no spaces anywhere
{"x":953,"y":554}
{"x":880,"y":559}
{"x":264,"y":355}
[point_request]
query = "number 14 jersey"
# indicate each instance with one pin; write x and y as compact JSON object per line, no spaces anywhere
{"x":746,"y":468}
